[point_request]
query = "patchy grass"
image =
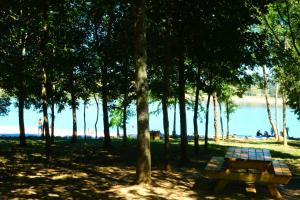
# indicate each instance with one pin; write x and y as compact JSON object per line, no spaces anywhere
{"x":89,"y":171}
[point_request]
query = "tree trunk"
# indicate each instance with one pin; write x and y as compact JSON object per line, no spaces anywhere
{"x":44,"y":79}
{"x":221,"y":121}
{"x":265,"y":81}
{"x":74,"y":117}
{"x":97,"y":116}
{"x":276,"y":108}
{"x":227,"y":118}
{"x":195,"y":120}
{"x":118,"y":131}
{"x":105,"y":119}
{"x":21,"y":120}
{"x":143,"y":169}
{"x":182,"y":111}
{"x":84,"y":119}
{"x":206,"y":122}
{"x":174,"y":119}
{"x":215,"y":99}
{"x":284,"y":116}
{"x":124,"y":120}
{"x":52,"y":121}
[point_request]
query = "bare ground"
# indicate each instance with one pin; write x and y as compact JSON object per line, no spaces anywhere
{"x":91,"y":172}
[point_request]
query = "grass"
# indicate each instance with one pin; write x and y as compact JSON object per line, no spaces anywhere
{"x":89,"y":171}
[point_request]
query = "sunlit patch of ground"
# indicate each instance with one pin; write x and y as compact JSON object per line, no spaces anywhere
{"x":88,"y":171}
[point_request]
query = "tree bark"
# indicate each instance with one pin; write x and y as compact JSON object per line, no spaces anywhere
{"x":105,"y":108}
{"x":195,"y":120}
{"x":74,"y":117}
{"x":97,"y":116}
{"x":52,"y":121}
{"x":215,"y":99}
{"x":221,"y":121}
{"x":84,"y":119}
{"x":21,"y":101}
{"x":276,"y":107}
{"x":227,"y":118}
{"x":206,"y":122}
{"x":124,"y":120}
{"x":143,"y":169}
{"x":284,"y":116}
{"x":44,"y":79}
{"x":265,"y":82}
{"x":174,"y":119}
{"x":181,"y":87}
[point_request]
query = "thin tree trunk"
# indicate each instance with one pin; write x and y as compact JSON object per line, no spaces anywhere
{"x":221,"y":121}
{"x":267,"y":101}
{"x":174,"y":119}
{"x":124,"y":120}
{"x":74,"y":117}
{"x":276,"y":108}
{"x":284,"y":116}
{"x":44,"y":79}
{"x":97,"y":116}
{"x":195,"y":120}
{"x":105,"y":110}
{"x":84,"y":119}
{"x":182,"y":111}
{"x":215,"y":100}
{"x":206,"y":122}
{"x":227,"y":118}
{"x":165,"y":97}
{"x":21,"y":120}
{"x":143,"y":169}
{"x":52,"y":121}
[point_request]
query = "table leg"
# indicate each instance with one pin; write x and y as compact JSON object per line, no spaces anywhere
{"x":220,"y":186}
{"x":274,"y":191}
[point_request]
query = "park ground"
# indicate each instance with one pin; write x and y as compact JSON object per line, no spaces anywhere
{"x":88,"y":171}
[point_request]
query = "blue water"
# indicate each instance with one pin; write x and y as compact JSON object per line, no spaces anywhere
{"x":245,"y":121}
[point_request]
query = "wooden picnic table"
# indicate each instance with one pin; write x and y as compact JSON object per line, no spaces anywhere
{"x":249,"y":165}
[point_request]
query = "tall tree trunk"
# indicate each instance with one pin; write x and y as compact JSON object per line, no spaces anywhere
{"x":97,"y":116}
{"x":221,"y":121}
{"x":182,"y":111}
{"x":105,"y":118}
{"x":74,"y":117}
{"x":227,"y":118}
{"x":44,"y":78}
{"x":84,"y":119}
{"x":125,"y":102}
{"x":165,"y":97}
{"x":284,"y":116}
{"x":21,"y":119}
{"x":143,"y":169}
{"x":195,"y":120}
{"x":52,"y":121}
{"x":265,"y":82}
{"x":118,"y":131}
{"x":124,"y":120}
{"x":215,"y":99}
{"x":206,"y":122}
{"x":276,"y":108}
{"x":174,"y":119}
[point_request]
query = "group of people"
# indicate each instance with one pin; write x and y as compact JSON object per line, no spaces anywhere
{"x":266,"y":134}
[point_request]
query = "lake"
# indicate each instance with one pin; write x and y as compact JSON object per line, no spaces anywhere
{"x":246,"y":120}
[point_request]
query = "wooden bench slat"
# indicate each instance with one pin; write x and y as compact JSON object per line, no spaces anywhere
{"x":280,"y":168}
{"x":215,"y":164}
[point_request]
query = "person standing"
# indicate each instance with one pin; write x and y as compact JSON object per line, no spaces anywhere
{"x":40,"y":126}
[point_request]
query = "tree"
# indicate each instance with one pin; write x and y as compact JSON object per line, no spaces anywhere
{"x":143,"y":169}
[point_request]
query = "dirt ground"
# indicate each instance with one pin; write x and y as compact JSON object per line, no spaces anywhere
{"x":93,"y":173}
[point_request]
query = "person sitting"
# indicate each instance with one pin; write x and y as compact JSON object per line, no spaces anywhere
{"x":258,"y":133}
{"x":266,"y":134}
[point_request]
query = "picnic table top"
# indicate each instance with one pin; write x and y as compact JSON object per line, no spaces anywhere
{"x":251,"y":154}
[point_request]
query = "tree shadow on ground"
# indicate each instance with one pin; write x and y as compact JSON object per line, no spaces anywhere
{"x":89,"y":171}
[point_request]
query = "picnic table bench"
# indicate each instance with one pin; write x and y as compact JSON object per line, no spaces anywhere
{"x":249,"y":165}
